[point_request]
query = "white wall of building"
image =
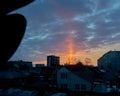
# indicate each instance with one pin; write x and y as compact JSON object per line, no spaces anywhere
{"x":73,"y":79}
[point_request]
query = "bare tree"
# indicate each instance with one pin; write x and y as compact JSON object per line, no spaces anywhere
{"x":88,"y":61}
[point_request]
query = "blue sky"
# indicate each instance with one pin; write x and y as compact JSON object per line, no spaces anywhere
{"x":92,"y":26}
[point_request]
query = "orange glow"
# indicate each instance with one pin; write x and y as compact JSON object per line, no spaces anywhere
{"x":71,"y":48}
{"x":94,"y":54}
{"x":71,"y":56}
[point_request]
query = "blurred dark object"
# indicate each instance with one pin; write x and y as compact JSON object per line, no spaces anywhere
{"x":12,"y":28}
{"x":7,"y":6}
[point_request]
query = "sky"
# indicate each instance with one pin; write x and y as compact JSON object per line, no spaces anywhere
{"x":80,"y":29}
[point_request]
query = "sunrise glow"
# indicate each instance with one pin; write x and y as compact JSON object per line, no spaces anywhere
{"x":71,"y":48}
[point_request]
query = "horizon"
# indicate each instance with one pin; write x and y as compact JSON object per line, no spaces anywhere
{"x":71,"y":29}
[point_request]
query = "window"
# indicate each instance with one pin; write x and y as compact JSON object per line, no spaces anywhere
{"x":77,"y":86}
{"x":64,"y":86}
{"x":64,"y":75}
{"x":83,"y":87}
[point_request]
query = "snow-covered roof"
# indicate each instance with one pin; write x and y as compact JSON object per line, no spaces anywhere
{"x":84,"y":72}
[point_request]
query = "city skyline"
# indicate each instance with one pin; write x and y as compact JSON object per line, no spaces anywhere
{"x":69,"y":28}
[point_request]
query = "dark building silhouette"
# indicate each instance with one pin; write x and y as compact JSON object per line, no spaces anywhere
{"x":110,"y":61}
{"x":53,"y":61}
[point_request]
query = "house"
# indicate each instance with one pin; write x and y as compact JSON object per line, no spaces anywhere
{"x":77,"y":78}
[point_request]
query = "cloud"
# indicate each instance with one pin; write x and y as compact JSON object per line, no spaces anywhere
{"x":52,"y":24}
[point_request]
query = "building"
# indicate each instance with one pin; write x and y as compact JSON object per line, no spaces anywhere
{"x":43,"y":76}
{"x":9,"y":78}
{"x":79,"y":79}
{"x":53,"y":61}
{"x":20,"y":65}
{"x":110,"y":61}
{"x":39,"y":65}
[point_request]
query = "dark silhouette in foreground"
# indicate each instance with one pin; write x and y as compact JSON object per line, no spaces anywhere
{"x":12,"y":28}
